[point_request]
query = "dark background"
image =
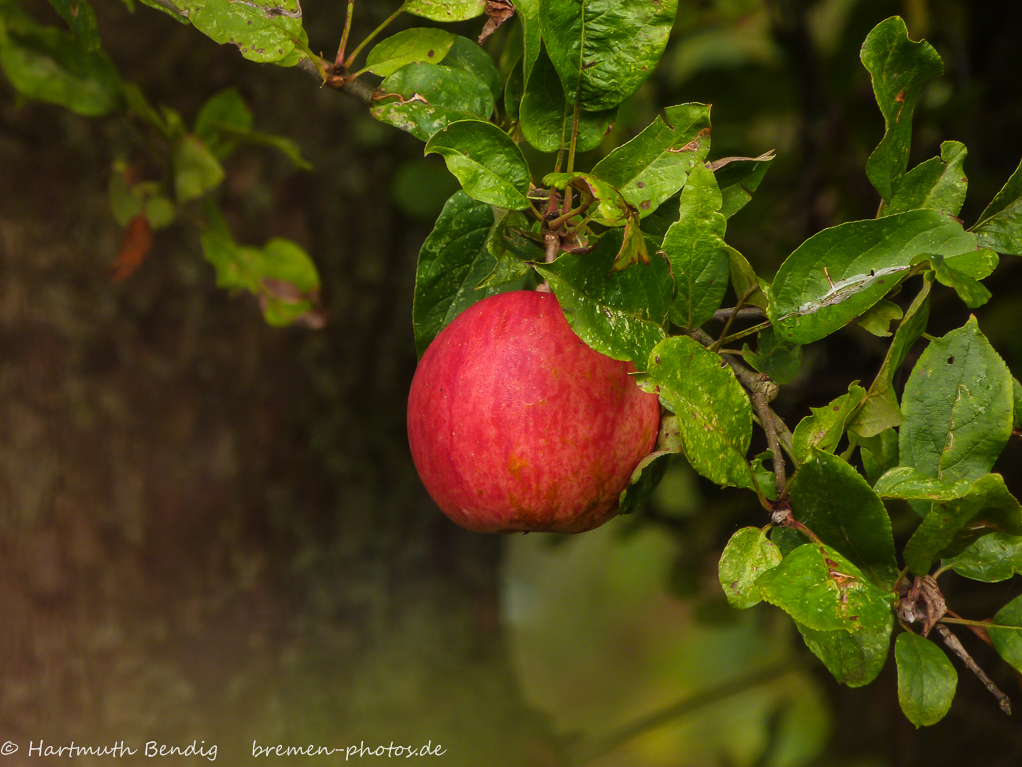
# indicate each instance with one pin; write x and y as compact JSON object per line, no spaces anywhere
{"x":211,"y":530}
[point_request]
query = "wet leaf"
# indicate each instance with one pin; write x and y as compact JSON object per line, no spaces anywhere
{"x":714,"y":413}
{"x":421,"y":44}
{"x":838,"y":274}
{"x":834,"y":501}
{"x":899,"y":69}
{"x":425,"y":98}
{"x":952,"y":525}
{"x":821,"y":589}
{"x":939,"y":183}
{"x":445,"y":10}
{"x":747,"y":556}
{"x":926,"y":679}
{"x":958,"y":405}
{"x":695,"y":246}
{"x":267,"y":31}
{"x":854,"y":658}
{"x":619,"y":313}
{"x":545,"y":114}
{"x":993,"y":558}
{"x":604,"y":50}
{"x":738,"y":178}
{"x":471,"y":57}
{"x":453,"y":260}
{"x":826,"y":426}
{"x":487,"y":162}
{"x":654,"y":165}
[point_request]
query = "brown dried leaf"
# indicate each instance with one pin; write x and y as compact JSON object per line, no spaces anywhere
{"x":135,"y":246}
{"x":497,"y":12}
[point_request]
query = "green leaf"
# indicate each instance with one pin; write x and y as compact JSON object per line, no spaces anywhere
{"x":510,"y":250}
{"x":545,"y":114}
{"x":958,"y":405}
{"x":651,"y":469}
{"x":532,"y":33}
{"x":747,"y":556}
{"x":431,"y":97}
{"x":745,"y":281}
{"x":993,"y":558}
{"x":878,"y":319}
{"x":280,"y":274}
{"x":604,"y":50}
{"x":775,"y":357}
{"x":196,"y":169}
{"x":654,"y":165}
{"x":738,"y":178}
{"x":266,"y":31}
{"x":695,"y":246}
{"x":971,"y":291}
{"x":879,"y":453}
{"x":453,"y":259}
{"x":910,"y":484}
{"x":841,"y":272}
{"x":1000,"y":226}
{"x":939,"y":183}
{"x":714,"y":414}
{"x":445,"y":10}
{"x":611,"y":208}
{"x":471,"y":57}
{"x":926,"y":679}
{"x":82,"y":20}
{"x":47,"y":65}
{"x":899,"y":69}
{"x":880,"y":409}
{"x":825,"y":427}
{"x":1008,"y":641}
{"x":953,"y":525}
{"x":421,"y":44}
{"x":619,"y":313}
{"x":514,"y":90}
{"x":634,"y":248}
{"x":487,"y":162}
{"x":854,"y":658}
{"x":833,"y":500}
{"x":1016,"y":416}
{"x":821,"y":589}
{"x":223,"y":109}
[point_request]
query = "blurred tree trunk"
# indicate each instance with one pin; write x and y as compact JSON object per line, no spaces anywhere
{"x":210,"y":529}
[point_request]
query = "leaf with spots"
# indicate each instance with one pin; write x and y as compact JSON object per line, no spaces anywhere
{"x":487,"y":162}
{"x":655,"y":165}
{"x":825,"y":427}
{"x":951,"y":526}
{"x":958,"y":405}
{"x":993,"y":558}
{"x":747,"y":556}
{"x":714,"y":413}
{"x":267,"y":31}
{"x":899,"y":68}
{"x":423,"y":98}
{"x":821,"y":589}
{"x":854,"y":658}
{"x":695,"y":246}
{"x":445,"y":10}
{"x":839,"y":273}
{"x":603,"y":50}
{"x":620,"y":313}
{"x":834,"y":501}
{"x":421,"y":44}
{"x":453,"y":260}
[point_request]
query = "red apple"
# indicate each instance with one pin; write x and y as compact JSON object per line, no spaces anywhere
{"x":516,"y":425}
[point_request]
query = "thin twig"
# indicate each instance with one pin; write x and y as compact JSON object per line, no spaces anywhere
{"x":339,"y":61}
{"x":745,"y":312}
{"x":768,"y":419}
{"x":386,"y":22}
{"x":956,"y":647}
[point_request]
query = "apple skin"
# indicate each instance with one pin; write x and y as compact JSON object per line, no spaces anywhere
{"x":516,"y":425}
